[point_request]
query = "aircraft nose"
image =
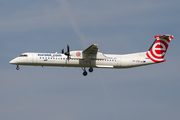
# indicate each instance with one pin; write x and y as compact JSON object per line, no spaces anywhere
{"x":14,"y":61}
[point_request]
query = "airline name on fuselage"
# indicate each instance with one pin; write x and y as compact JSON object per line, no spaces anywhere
{"x":112,"y":58}
{"x":54,"y":55}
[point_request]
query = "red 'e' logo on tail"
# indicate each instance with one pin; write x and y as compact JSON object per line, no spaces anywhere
{"x":159,"y":48}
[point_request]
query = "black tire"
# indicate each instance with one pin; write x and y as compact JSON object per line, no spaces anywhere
{"x":17,"y":68}
{"x":84,"y":73}
{"x":90,"y":69}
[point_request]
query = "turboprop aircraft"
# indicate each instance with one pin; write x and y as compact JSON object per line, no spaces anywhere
{"x":91,"y":58}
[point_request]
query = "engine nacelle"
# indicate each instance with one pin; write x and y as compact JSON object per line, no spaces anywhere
{"x":76,"y":55}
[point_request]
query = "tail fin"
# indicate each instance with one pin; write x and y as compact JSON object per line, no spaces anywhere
{"x":158,"y":49}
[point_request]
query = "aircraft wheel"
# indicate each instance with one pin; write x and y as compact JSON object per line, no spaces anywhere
{"x":90,"y":69}
{"x":84,"y":73}
{"x":17,"y":68}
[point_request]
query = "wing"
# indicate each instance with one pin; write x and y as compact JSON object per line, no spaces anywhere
{"x":92,"y":53}
{"x":93,"y":49}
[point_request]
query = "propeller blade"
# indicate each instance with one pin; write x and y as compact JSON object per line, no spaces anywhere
{"x":68,"y":52}
{"x":62,"y":51}
{"x":67,"y":48}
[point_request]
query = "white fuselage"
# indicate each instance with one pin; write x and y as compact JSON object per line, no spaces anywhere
{"x":56,"y":59}
{"x":91,"y":58}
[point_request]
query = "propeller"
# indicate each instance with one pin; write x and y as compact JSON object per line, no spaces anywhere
{"x":68,"y":52}
{"x":62,"y":51}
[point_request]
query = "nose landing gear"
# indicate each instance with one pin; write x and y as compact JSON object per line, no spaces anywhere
{"x":17,"y":68}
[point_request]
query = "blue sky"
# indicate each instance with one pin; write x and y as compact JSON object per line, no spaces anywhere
{"x":126,"y":26}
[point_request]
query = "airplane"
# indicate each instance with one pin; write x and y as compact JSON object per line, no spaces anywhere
{"x":92,"y":58}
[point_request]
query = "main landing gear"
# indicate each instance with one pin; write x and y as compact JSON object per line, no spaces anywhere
{"x":90,"y":69}
{"x":85,"y":72}
{"x":17,"y":68}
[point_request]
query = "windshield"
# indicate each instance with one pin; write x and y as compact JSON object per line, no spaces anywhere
{"x":23,"y":55}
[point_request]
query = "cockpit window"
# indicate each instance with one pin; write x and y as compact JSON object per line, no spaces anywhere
{"x":23,"y":55}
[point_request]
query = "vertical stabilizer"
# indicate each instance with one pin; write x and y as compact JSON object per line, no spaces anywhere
{"x":158,"y":49}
